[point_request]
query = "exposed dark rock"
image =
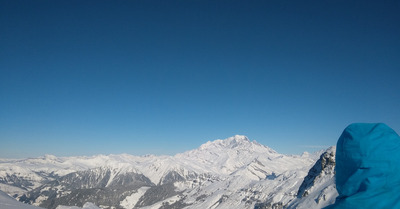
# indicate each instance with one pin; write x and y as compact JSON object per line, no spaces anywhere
{"x":269,"y":205}
{"x":17,"y":181}
{"x":156,"y":194}
{"x":171,"y":177}
{"x":325,"y":165}
{"x":176,"y":205}
{"x":93,"y":185}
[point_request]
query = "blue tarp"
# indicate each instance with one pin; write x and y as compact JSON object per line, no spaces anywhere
{"x":368,"y":167}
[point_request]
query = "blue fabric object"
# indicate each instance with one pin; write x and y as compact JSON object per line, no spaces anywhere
{"x":368,"y":167}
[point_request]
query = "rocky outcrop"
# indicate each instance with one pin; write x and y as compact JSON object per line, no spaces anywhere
{"x":318,"y":188}
{"x":324,"y":167}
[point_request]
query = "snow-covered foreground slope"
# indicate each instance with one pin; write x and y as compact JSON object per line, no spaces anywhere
{"x":230,"y":173}
{"x":88,"y":205}
{"x":7,"y":202}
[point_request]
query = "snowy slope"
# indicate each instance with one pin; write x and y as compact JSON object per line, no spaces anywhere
{"x":7,"y":202}
{"x":230,"y":173}
{"x":88,"y":205}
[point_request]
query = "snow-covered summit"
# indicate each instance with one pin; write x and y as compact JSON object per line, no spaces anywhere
{"x":226,"y":156}
{"x":235,"y":142}
{"x":230,"y":142}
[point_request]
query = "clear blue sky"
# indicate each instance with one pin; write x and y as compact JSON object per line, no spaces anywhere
{"x":162,"y":77}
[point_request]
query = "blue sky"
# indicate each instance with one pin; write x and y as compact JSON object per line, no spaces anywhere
{"x":162,"y":77}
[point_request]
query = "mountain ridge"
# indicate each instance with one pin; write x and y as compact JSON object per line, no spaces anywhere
{"x":218,"y":174}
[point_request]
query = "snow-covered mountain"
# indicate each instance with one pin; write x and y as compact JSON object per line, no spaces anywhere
{"x":230,"y":173}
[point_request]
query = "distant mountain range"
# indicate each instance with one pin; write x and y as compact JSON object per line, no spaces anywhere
{"x":230,"y":173}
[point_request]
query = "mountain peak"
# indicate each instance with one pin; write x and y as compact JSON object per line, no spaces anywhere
{"x":239,"y":138}
{"x":230,"y":142}
{"x":234,"y":142}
